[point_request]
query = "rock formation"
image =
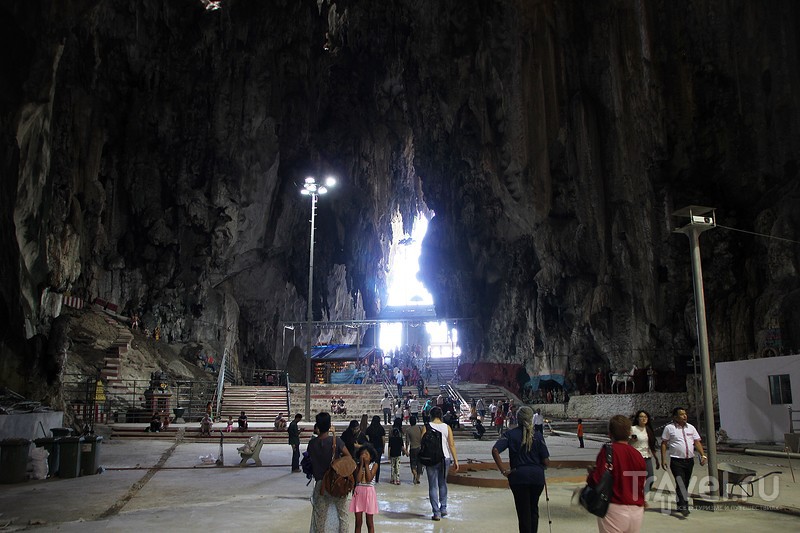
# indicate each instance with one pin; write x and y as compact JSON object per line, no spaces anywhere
{"x":152,"y":153}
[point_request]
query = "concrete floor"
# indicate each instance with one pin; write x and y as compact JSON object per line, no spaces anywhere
{"x":160,"y":486}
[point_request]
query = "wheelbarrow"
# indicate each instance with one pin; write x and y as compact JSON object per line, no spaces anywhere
{"x":738,"y":476}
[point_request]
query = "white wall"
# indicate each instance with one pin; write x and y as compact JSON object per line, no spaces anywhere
{"x":26,"y":425}
{"x":745,"y":411}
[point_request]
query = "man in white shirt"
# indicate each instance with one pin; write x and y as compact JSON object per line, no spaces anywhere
{"x":538,"y":423}
{"x":413,"y":406}
{"x":400,"y":382}
{"x":493,"y":410}
{"x":681,"y":439}
{"x":386,"y":406}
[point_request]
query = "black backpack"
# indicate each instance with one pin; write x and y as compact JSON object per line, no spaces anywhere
{"x":430,"y":449}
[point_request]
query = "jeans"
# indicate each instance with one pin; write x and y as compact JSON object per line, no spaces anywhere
{"x":648,"y":482}
{"x":682,"y":471}
{"x":387,"y":415}
{"x":399,"y":390}
{"x":437,"y":486}
{"x":295,"y":457}
{"x":526,"y":500}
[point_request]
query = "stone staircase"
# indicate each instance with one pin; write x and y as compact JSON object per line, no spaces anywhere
{"x":473,"y":391}
{"x":442,"y":369}
{"x":359,"y":399}
{"x":261,"y":403}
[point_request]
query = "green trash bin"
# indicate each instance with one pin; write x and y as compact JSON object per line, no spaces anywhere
{"x":14,"y":460}
{"x":53,"y":448}
{"x":69,"y":457}
{"x":90,"y":454}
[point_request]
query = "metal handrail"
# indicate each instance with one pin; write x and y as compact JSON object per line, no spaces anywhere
{"x":387,"y":388}
{"x":462,"y":403}
{"x":792,"y":419}
{"x":221,"y":379}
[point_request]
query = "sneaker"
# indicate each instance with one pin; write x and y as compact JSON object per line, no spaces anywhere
{"x":444,"y":513}
{"x":684,"y":512}
{"x":296,"y":470}
{"x":435,"y":517}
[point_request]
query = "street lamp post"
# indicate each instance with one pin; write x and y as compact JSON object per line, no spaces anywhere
{"x":313,"y":189}
{"x":700,"y":220}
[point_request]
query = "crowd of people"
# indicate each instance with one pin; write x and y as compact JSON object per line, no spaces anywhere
{"x":631,"y":457}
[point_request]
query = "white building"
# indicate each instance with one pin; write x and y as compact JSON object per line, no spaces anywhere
{"x":754,"y":397}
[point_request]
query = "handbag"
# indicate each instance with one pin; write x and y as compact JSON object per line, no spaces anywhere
{"x":596,"y":499}
{"x":338,"y":479}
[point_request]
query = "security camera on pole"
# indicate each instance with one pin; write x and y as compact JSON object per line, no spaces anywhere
{"x":313,"y":189}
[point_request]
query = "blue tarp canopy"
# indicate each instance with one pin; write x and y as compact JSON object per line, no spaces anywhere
{"x":343,"y":352}
{"x":534,"y":382}
{"x":347,"y":376}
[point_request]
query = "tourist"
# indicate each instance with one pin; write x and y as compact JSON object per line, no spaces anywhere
{"x":479,"y":429}
{"x":499,"y":421}
{"x":320,"y":450}
{"x":413,"y":407}
{"x":294,"y":442}
{"x":280,"y":422}
{"x":364,"y":498}
{"x":229,"y":426}
{"x":681,"y":439}
{"x":413,"y":435}
{"x":643,"y":438}
{"x":480,"y":407}
{"x":205,"y":425}
{"x":626,"y":507}
{"x":538,"y":422}
{"x":493,"y":410}
{"x":398,"y":412}
{"x":528,"y":457}
{"x":242,"y":422}
{"x":426,"y":411}
{"x":375,"y":434}
{"x":350,"y":437}
{"x":580,"y":432}
{"x":396,"y":449}
{"x":386,"y":407}
{"x":437,"y":474}
{"x":400,"y":380}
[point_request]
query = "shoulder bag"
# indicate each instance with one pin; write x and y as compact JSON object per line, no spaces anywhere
{"x":596,"y":499}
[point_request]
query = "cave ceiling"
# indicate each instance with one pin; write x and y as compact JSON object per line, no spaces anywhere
{"x":152,"y":153}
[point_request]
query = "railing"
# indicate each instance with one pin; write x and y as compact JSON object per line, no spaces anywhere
{"x":792,"y":419}
{"x":388,"y":388}
{"x":265,"y":376}
{"x":221,"y":380}
{"x":462,"y":403}
{"x":126,"y":402}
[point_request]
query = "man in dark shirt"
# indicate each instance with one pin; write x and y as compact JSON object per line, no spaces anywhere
{"x":320,"y":450}
{"x":294,"y":442}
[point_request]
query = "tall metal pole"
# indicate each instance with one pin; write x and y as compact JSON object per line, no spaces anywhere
{"x":310,"y":310}
{"x":693,"y":232}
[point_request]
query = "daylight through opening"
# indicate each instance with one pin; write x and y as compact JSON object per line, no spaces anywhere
{"x":408,"y":298}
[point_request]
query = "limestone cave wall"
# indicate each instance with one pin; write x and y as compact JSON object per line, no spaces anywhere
{"x":152,"y":153}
